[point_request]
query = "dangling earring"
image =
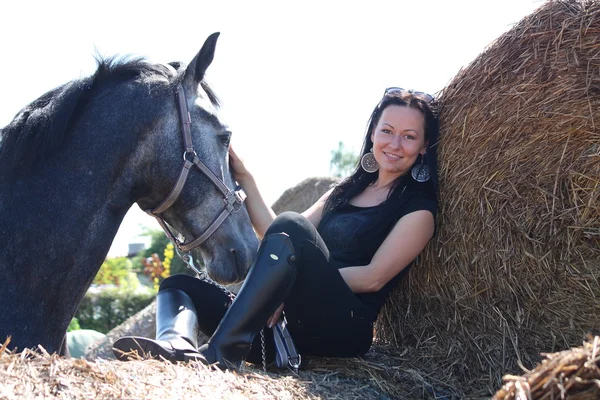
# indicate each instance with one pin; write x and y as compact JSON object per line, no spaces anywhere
{"x":369,"y":163}
{"x":420,"y":172}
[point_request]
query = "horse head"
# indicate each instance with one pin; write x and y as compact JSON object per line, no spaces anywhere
{"x":206,"y":209}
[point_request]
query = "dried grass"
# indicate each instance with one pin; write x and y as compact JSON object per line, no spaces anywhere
{"x":300,"y":197}
{"x":572,"y":374}
{"x":513,"y":271}
{"x":382,"y":375}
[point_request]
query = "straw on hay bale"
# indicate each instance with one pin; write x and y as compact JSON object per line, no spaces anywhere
{"x":573,"y":374}
{"x":300,"y":197}
{"x":514,"y":269}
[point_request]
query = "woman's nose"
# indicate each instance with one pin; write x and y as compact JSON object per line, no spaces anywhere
{"x":396,"y":142}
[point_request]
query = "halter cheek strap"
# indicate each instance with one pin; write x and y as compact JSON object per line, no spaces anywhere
{"x":233,"y":199}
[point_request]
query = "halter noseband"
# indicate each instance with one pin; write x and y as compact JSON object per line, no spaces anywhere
{"x":233,"y":199}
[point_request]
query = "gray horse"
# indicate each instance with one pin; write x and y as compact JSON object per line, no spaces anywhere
{"x":75,"y":160}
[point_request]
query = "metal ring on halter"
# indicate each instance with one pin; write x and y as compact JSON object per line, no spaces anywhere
{"x":189,"y":152}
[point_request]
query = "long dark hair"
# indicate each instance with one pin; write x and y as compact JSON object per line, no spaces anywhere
{"x":360,"y":179}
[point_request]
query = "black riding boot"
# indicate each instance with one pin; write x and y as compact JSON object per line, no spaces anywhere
{"x":268,"y":283}
{"x":176,"y":330}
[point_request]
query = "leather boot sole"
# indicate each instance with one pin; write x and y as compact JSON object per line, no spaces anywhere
{"x":130,"y":348}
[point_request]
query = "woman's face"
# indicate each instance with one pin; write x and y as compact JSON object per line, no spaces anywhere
{"x":398,"y":139}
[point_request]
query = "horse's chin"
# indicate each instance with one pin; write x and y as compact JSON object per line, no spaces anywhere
{"x":225,"y":276}
{"x":224,"y":270}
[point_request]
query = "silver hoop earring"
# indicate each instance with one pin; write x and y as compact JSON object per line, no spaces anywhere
{"x":369,"y":163}
{"x":420,"y":172}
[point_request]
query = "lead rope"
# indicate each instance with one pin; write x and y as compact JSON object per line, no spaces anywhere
{"x":189,"y":261}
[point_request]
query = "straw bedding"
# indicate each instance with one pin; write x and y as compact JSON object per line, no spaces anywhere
{"x":382,"y":375}
{"x":514,"y":268}
{"x":571,"y":374}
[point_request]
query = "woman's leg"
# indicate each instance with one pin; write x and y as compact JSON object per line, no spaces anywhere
{"x":324,"y":316}
{"x":176,"y":330}
{"x":268,"y":283}
{"x":211,"y":304}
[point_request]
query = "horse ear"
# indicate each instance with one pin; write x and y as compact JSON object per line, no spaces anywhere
{"x":196,"y":69}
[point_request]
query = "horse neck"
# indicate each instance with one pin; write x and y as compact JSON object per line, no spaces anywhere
{"x":68,"y":210}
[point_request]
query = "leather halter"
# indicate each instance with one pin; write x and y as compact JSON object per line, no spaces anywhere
{"x":233,"y":199}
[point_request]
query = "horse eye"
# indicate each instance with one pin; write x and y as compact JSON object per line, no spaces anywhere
{"x":225,"y":139}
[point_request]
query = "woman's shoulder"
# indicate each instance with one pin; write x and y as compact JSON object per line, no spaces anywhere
{"x":415,"y":199}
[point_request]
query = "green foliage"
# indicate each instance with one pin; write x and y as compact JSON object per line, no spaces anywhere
{"x":158,"y":244}
{"x":73,"y":325}
{"x":117,"y":271}
{"x":108,"y":308}
{"x":342,"y":162}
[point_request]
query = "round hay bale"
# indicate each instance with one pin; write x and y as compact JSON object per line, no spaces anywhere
{"x":514,"y":268}
{"x":303,"y":195}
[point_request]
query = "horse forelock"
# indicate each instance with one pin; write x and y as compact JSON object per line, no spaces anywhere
{"x":211,"y":94}
{"x":45,"y":124}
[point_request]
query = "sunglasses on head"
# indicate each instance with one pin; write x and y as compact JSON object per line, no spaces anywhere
{"x":419,"y":95}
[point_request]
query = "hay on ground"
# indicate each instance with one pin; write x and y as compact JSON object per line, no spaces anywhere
{"x":572,"y":374}
{"x":513,"y":271}
{"x":382,"y":375}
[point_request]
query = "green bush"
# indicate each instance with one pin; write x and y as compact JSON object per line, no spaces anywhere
{"x":73,"y":325}
{"x":117,"y":271}
{"x":157,"y":245}
{"x":104,"y":310}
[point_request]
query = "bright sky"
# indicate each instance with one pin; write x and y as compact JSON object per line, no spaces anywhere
{"x":295,"y":78}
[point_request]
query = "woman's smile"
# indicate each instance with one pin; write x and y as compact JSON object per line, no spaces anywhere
{"x":391,"y":156}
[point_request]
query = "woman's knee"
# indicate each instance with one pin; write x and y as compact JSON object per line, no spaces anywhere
{"x":293,"y":224}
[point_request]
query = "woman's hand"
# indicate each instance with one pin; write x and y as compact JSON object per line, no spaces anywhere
{"x":275,"y":317}
{"x":240,"y":173}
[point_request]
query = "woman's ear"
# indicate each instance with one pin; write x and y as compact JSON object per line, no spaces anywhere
{"x":424,"y":149}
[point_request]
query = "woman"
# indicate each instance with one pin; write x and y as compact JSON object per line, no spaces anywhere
{"x":330,"y":268}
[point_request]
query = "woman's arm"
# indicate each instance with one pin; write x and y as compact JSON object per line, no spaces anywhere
{"x":261,"y":215}
{"x":402,"y":245}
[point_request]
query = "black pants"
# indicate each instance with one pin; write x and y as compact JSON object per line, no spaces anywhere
{"x":324,"y":316}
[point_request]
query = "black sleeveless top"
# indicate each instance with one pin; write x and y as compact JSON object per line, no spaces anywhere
{"x":353,"y":234}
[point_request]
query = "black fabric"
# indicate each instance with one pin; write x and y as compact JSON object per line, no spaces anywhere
{"x":211,"y":305}
{"x":354,"y":234}
{"x":324,"y":316}
{"x":210,"y":301}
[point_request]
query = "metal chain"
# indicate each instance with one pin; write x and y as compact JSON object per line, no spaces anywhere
{"x":264,"y":352}
{"x":202,"y":275}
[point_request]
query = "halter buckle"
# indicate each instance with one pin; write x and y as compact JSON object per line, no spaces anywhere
{"x":235,"y":200}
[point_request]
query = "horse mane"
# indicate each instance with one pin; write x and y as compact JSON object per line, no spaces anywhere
{"x":42,"y":126}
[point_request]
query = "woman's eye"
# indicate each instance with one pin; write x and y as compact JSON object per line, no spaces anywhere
{"x":386,"y":131}
{"x":409,"y":137}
